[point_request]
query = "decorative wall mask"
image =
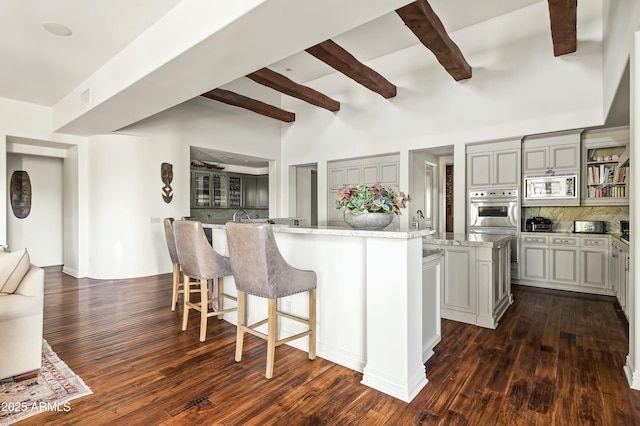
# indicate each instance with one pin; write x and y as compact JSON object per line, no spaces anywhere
{"x":20,"y":194}
{"x":166,"y":172}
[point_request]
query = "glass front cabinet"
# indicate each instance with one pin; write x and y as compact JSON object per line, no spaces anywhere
{"x":209,"y":189}
{"x":605,"y":174}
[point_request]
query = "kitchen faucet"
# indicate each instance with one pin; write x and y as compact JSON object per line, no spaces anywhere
{"x":419,"y":215}
{"x":235,"y":215}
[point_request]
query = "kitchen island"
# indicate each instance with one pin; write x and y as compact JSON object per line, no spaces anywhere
{"x":369,"y":301}
{"x":476,"y":287}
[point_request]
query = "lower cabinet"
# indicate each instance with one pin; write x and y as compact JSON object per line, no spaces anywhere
{"x":594,"y":262}
{"x":476,"y":288}
{"x":535,"y":255}
{"x":565,"y":262}
{"x":432,"y":280}
{"x":619,"y":273}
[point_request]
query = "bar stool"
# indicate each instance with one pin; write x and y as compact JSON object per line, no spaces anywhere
{"x":260,"y":270}
{"x":178,"y":286}
{"x":200,"y":261}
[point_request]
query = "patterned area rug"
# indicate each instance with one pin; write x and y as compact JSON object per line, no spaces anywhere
{"x":52,"y":389}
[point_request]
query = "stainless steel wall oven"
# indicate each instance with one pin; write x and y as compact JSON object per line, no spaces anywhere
{"x":496,"y":211}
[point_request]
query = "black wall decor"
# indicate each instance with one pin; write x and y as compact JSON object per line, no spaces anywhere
{"x":20,"y":193}
{"x":166,"y":173}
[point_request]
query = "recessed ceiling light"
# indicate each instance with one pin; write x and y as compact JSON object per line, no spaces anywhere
{"x":57,"y":29}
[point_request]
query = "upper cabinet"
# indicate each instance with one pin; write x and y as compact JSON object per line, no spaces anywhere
{"x":495,"y":164}
{"x":255,"y":191}
{"x":605,"y":167}
{"x":550,"y":153}
{"x":228,"y":190}
{"x":209,"y":189}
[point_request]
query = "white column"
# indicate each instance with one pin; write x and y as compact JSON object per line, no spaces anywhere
{"x":394,"y":317}
{"x":632,"y":367}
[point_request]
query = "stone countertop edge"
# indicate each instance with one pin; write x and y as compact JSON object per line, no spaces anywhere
{"x":406,"y":234}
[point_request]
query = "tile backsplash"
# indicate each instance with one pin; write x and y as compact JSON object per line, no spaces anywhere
{"x":563,"y":217}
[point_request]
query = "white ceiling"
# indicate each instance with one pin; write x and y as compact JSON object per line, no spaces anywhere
{"x":40,"y":67}
{"x":43,"y":68}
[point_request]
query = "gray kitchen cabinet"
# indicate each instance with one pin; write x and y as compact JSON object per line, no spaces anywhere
{"x":228,"y":190}
{"x":594,"y":262}
{"x":495,"y":164}
{"x":209,"y":189}
{"x":476,"y":288}
{"x":620,"y":273}
{"x":535,"y":258}
{"x":557,"y":152}
{"x":570,"y":262}
{"x":262,"y":188}
{"x":563,"y":260}
{"x":255,"y":191}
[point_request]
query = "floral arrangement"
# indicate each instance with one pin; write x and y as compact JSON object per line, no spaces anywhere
{"x":371,"y":199}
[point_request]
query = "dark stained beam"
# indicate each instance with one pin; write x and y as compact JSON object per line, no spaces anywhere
{"x":563,"y":14}
{"x":426,"y":25}
{"x":283,"y":84}
{"x":335,"y":56}
{"x":231,"y":98}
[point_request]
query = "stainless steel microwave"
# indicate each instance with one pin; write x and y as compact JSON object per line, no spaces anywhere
{"x":547,"y":187}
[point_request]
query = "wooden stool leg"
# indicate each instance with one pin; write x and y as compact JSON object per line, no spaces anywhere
{"x":176,"y":284}
{"x":204,"y":308}
{"x":185,"y":313}
{"x":272,"y":336}
{"x":220,"y":298}
{"x":312,"y":324}
{"x":242,"y":322}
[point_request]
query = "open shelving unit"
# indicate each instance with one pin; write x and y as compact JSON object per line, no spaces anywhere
{"x":606,"y":167}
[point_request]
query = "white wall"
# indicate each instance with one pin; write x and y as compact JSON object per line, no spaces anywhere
{"x":621,"y":17}
{"x":518,"y":88}
{"x":126,"y":208}
{"x":41,"y":232}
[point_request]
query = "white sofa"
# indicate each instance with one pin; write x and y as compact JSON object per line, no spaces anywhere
{"x":21,"y":314}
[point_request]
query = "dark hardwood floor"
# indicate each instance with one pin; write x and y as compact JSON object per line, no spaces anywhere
{"x":556,"y":358}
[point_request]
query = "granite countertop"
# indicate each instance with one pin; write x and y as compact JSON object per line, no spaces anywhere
{"x":392,"y":232}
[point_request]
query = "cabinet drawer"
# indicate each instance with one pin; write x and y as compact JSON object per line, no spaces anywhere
{"x":594,"y":242}
{"x":564,"y":241}
{"x":531,"y":239}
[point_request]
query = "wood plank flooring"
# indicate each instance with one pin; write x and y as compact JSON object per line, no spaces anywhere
{"x":555,"y":359}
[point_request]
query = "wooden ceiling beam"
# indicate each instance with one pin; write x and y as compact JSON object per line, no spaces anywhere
{"x":563,"y":15}
{"x":231,"y":98}
{"x":426,"y":25}
{"x":285,"y":85}
{"x":335,"y":56}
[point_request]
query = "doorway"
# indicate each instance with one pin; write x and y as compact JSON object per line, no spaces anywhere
{"x":305,"y":188}
{"x":42,"y":231}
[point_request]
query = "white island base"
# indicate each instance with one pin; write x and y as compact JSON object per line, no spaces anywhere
{"x":370,"y":294}
{"x":476,"y":288}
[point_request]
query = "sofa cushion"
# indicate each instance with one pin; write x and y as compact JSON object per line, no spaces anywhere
{"x":13,"y":267}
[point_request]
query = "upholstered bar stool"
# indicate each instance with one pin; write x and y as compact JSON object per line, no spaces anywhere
{"x":260,"y":270}
{"x":200,"y":261}
{"x":178,"y":286}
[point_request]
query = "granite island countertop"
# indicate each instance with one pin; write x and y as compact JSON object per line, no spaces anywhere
{"x":467,"y":240}
{"x":392,"y":231}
